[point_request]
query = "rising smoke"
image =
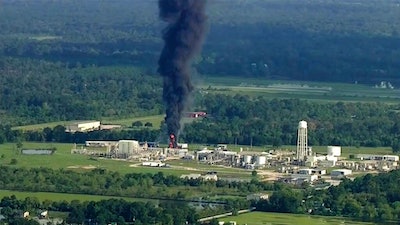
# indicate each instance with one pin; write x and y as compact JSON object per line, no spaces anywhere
{"x":183,"y":38}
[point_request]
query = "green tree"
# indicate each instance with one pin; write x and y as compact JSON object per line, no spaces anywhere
{"x":13,"y":161}
{"x":396,"y":145}
{"x":137,"y":124}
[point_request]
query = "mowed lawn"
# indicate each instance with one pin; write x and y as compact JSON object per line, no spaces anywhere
{"x":63,"y":159}
{"x":264,"y":218}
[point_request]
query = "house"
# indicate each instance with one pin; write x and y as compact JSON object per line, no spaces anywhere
{"x":44,"y":214}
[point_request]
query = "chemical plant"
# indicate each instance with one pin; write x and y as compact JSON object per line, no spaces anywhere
{"x":301,"y":165}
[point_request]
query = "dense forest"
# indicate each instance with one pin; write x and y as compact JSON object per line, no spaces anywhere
{"x":63,"y":60}
{"x":311,"y":40}
{"x":256,"y":121}
{"x":39,"y":91}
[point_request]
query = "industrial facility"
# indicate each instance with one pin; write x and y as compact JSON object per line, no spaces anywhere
{"x":130,"y":149}
{"x":83,"y":126}
{"x":296,"y":167}
{"x":90,"y":125}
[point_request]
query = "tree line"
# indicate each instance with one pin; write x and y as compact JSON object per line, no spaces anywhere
{"x":328,"y":41}
{"x":102,"y":212}
{"x":368,"y":198}
{"x":256,"y":121}
{"x":108,"y":183}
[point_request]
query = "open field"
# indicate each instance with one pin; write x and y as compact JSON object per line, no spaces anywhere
{"x":315,"y":91}
{"x":45,"y":37}
{"x":264,"y":218}
{"x":348,"y":150}
{"x":41,"y":125}
{"x":155,"y":120}
{"x":62,"y":158}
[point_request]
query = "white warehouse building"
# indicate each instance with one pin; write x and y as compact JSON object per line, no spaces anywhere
{"x":82,"y":126}
{"x":128,"y":147}
{"x":394,"y":158}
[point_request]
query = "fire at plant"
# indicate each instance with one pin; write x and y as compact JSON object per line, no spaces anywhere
{"x":172,"y":141}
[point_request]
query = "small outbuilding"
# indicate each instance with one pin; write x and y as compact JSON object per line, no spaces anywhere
{"x":340,"y":173}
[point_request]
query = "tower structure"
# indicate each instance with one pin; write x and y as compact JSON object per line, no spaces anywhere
{"x":302,"y":145}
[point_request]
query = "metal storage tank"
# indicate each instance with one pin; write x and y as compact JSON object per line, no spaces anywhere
{"x":261,"y":160}
{"x":128,"y":146}
{"x":247,"y":158}
{"x":334,"y":151}
{"x":302,"y":124}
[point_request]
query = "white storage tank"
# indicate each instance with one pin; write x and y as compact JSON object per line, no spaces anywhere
{"x":128,"y":147}
{"x":247,"y":159}
{"x":261,"y":160}
{"x":302,"y":124}
{"x":334,"y":151}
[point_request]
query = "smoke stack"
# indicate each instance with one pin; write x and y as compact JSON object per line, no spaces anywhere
{"x":183,"y":38}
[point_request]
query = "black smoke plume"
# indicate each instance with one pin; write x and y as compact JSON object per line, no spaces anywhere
{"x":183,"y":38}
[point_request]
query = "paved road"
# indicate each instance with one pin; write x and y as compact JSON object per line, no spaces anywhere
{"x":225,"y":215}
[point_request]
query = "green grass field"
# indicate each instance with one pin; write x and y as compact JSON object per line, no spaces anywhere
{"x":314,"y":91}
{"x":62,"y":158}
{"x":263,"y":218}
{"x":155,"y":120}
